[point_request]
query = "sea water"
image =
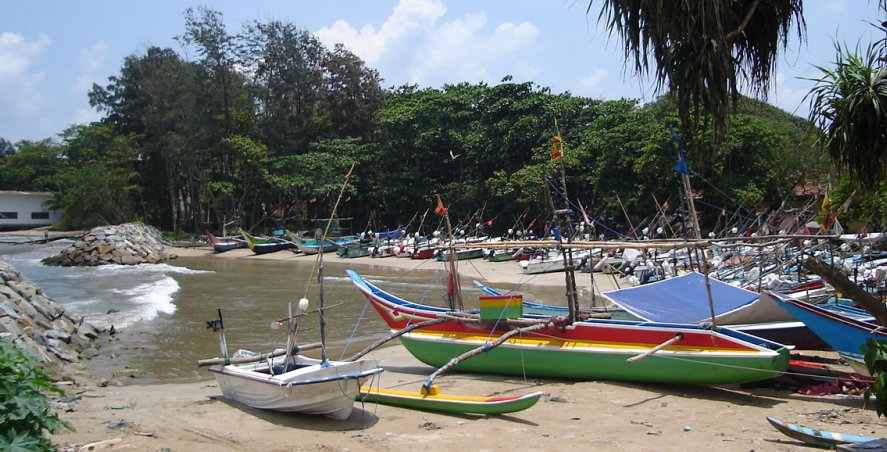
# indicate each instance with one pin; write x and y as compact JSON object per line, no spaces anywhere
{"x":160,"y":312}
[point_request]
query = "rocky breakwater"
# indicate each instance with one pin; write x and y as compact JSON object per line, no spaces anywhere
{"x":34,"y":322}
{"x":125,"y":244}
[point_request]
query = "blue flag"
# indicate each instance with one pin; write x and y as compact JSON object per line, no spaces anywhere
{"x":681,"y":167}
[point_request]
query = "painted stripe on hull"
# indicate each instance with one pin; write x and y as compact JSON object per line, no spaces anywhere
{"x":564,"y":364}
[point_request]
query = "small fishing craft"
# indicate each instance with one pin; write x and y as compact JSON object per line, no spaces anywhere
{"x":264,"y":245}
{"x":448,"y":403}
{"x":823,"y":438}
{"x":222,"y":244}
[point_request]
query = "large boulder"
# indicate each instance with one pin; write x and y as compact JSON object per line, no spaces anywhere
{"x":34,"y":322}
{"x":125,"y":244}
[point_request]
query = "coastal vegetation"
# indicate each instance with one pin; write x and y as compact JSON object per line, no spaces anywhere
{"x":24,"y":410}
{"x":256,"y":130}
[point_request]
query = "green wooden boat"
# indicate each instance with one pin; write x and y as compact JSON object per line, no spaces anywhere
{"x":448,"y":403}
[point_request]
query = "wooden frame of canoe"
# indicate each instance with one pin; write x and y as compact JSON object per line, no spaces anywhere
{"x":448,"y":403}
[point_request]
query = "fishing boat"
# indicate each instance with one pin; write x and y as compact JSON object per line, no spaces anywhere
{"x":843,"y":329}
{"x":264,"y":245}
{"x":532,"y":308}
{"x":581,"y":350}
{"x":314,"y":246}
{"x":296,"y":383}
{"x":284,"y":380}
{"x":694,"y":298}
{"x":222,"y":244}
{"x":826,"y":439}
{"x":449,"y":403}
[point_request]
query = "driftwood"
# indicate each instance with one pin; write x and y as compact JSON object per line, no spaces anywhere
{"x":484,"y":348}
{"x":262,"y":357}
{"x":840,"y":282}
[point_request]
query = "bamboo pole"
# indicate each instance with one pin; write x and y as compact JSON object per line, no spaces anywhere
{"x":484,"y":348}
{"x":264,"y":356}
{"x":655,"y":349}
{"x":397,"y":334}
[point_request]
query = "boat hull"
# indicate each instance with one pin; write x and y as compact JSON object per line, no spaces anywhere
{"x":547,"y":358}
{"x":841,"y":333}
{"x":582,"y":350}
{"x":448,"y":403}
{"x":312,"y":389}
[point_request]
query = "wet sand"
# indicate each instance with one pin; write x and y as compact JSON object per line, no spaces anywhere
{"x":589,"y":415}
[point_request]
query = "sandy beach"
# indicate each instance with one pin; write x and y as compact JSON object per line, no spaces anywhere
{"x":591,"y":415}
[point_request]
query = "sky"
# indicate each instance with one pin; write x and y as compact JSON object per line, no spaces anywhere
{"x":53,"y":51}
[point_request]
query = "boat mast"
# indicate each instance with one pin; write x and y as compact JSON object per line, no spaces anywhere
{"x":318,"y":265}
{"x":563,"y":217}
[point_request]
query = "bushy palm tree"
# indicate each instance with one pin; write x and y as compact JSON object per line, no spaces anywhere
{"x":849,"y":105}
{"x":704,"y":51}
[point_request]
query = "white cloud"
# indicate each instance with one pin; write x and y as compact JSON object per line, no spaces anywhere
{"x":19,"y":83}
{"x":371,"y":45}
{"x":788,"y":94}
{"x":91,"y":64}
{"x":85,"y":116}
{"x":589,"y":85}
{"x":464,"y":49}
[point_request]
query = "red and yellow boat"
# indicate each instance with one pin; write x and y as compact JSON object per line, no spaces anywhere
{"x":591,"y":349}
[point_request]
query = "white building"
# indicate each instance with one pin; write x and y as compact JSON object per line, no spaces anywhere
{"x":26,"y":210}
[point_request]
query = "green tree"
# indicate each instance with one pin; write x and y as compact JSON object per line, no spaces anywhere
{"x":99,"y":183}
{"x":849,"y":104}
{"x":33,"y":167}
{"x":704,"y":52}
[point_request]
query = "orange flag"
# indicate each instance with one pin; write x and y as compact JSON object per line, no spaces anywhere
{"x":440,"y":210}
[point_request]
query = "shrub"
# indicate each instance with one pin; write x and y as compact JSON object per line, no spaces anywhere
{"x":24,"y":412}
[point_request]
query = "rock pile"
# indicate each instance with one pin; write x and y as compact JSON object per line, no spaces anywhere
{"x":125,"y":244}
{"x":39,"y":325}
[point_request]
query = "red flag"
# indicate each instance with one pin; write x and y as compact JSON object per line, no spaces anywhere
{"x":440,"y":210}
{"x":490,"y":223}
{"x":665,"y":206}
{"x":864,"y":232}
{"x":805,"y":229}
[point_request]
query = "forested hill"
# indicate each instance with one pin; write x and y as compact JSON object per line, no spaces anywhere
{"x":258,"y":128}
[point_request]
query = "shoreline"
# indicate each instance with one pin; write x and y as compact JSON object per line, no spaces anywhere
{"x":611,"y":415}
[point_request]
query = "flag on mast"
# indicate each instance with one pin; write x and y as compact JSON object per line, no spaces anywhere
{"x":557,"y":143}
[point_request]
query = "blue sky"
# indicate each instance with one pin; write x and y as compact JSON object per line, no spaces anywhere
{"x":52,"y":51}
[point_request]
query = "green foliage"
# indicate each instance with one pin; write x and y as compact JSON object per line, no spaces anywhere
{"x":849,"y":104}
{"x":24,"y":413}
{"x":876,"y":361}
{"x":261,"y":123}
{"x":703,"y":52}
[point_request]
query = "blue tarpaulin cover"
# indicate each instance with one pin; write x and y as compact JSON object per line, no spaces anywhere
{"x":683,"y":299}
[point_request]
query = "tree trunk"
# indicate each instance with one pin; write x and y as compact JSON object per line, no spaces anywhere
{"x":843,"y":285}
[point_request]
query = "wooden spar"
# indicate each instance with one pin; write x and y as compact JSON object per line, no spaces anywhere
{"x":250,"y":359}
{"x":768,"y":240}
{"x":664,"y":215}
{"x":397,"y":334}
{"x":655,"y":349}
{"x":486,"y":347}
{"x":630,"y":226}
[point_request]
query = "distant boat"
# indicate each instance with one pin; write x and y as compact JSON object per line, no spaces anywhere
{"x":222,"y":244}
{"x":264,"y":245}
